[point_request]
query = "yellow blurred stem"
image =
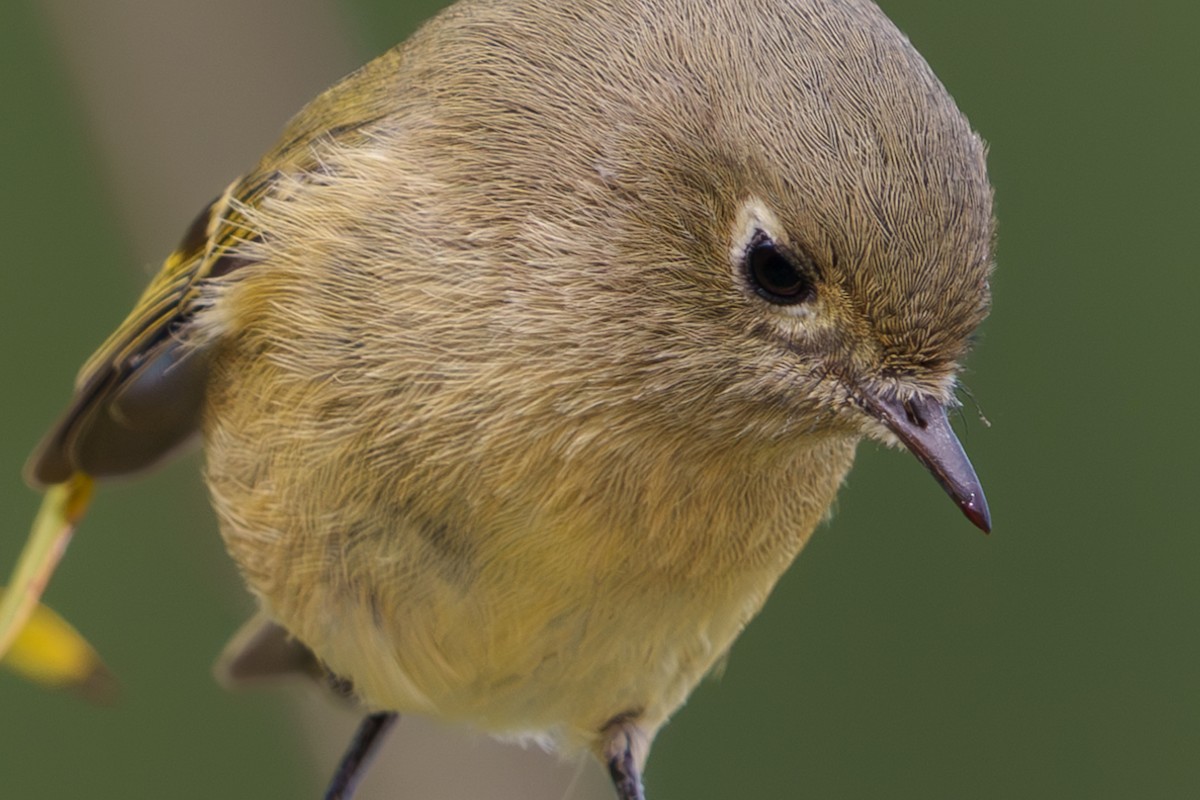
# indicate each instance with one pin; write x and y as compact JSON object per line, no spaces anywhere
{"x":62,"y":508}
{"x":49,"y":651}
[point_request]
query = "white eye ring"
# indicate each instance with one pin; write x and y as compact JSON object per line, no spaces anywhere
{"x":764,"y":264}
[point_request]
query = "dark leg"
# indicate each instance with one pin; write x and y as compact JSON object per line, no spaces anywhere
{"x":626,"y":777}
{"x":358,"y":755}
{"x":623,"y":750}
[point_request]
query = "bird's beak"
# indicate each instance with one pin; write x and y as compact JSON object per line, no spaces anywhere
{"x":921,"y":424}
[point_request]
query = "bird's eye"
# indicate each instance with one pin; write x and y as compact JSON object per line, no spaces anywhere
{"x":774,"y":275}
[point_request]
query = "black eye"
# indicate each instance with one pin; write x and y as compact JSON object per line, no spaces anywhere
{"x":775,"y":276}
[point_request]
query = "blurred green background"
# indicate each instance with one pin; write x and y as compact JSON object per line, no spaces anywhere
{"x":905,"y":655}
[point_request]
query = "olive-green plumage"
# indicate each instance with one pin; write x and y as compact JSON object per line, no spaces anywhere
{"x":502,"y":420}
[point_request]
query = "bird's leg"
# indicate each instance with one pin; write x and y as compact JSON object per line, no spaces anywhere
{"x":358,"y":755}
{"x":624,"y":750}
{"x":626,"y":777}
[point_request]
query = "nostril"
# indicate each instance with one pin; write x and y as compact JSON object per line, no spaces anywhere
{"x":914,"y":415}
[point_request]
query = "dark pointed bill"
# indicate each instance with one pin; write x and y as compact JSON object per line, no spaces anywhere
{"x":922,"y":426}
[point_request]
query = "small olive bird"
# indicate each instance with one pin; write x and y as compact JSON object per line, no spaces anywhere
{"x":531,"y":356}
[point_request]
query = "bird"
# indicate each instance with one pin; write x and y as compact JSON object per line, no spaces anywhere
{"x":534,"y":352}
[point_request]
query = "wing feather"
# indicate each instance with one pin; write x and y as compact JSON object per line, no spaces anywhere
{"x":140,"y":396}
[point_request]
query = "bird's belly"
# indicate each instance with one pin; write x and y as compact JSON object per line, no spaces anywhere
{"x":547,"y":662}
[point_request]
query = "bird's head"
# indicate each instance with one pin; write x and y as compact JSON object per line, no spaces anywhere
{"x":749,"y":218}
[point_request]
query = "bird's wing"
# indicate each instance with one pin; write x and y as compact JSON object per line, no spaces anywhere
{"x":140,"y":396}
